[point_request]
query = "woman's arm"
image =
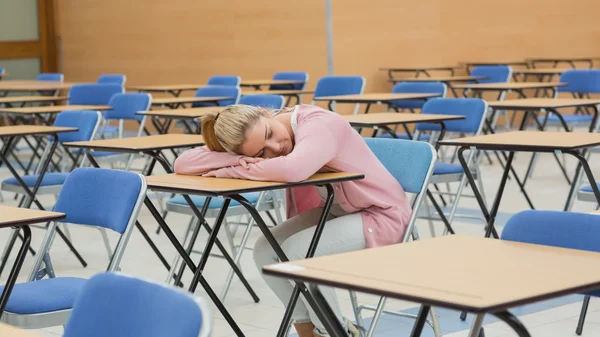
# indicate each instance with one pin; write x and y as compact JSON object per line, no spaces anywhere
{"x":201,"y":160}
{"x":315,"y":147}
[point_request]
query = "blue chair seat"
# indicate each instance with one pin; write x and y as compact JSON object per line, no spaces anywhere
{"x":569,"y":118}
{"x":50,"y":179}
{"x":214,"y":202}
{"x":423,"y":137}
{"x":45,"y":295}
{"x":446,"y":168}
{"x":587,"y":188}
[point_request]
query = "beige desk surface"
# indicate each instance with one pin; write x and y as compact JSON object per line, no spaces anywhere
{"x":492,"y":63}
{"x":11,"y":331}
{"x":15,"y":216}
{"x":391,"y":118}
{"x":182,"y":113}
{"x":166,"y":87}
{"x":509,"y":85}
{"x":54,"y":109}
{"x":417,"y":68}
{"x":278,"y":92}
{"x":446,"y":79}
{"x":493,"y":275}
{"x":189,"y":99}
{"x":141,"y":144}
{"x":25,"y":130}
{"x":542,"y":141}
{"x":18,"y":85}
{"x":374,"y":97}
{"x":561,"y":59}
{"x":542,"y":103}
{"x":259,"y":82}
{"x":27,"y":99}
{"x":540,"y":71}
{"x":211,"y":186}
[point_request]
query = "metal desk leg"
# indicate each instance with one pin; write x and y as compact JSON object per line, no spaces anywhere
{"x":421,"y":319}
{"x":326,"y":315}
{"x":300,"y":286}
{"x":513,"y":322}
{"x":186,"y":258}
{"x":14,"y":273}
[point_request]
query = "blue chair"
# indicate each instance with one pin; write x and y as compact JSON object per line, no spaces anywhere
{"x":58,"y":77}
{"x":87,"y":123}
{"x":116,"y":305}
{"x":493,"y":74}
{"x":290,"y":75}
{"x":340,"y":85}
{"x":218,"y":91}
{"x":264,"y":101}
{"x":559,"y":229}
{"x":112,"y":78}
{"x":93,"y":94}
{"x":413,"y":175}
{"x":225,"y":80}
{"x":85,"y":198}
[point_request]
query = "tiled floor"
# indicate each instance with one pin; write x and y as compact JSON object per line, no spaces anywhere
{"x":547,"y":188}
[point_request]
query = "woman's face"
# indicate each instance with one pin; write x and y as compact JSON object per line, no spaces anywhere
{"x":267,"y":138}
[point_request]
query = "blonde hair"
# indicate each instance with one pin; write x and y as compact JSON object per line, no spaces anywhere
{"x":226,"y":131}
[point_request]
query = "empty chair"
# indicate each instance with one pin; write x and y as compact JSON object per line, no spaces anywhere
{"x":101,"y":198}
{"x":413,"y":175}
{"x":112,"y":78}
{"x":264,"y":101}
{"x":116,"y":305}
{"x":493,"y":74}
{"x":58,"y":77}
{"x":218,"y":91}
{"x":558,"y":229}
{"x":340,"y":85}
{"x":290,"y":75}
{"x":93,"y":94}
{"x":225,"y":80}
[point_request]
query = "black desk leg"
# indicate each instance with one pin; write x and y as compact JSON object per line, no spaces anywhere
{"x":421,"y":319}
{"x":186,"y":258}
{"x":513,"y":322}
{"x":14,"y":273}
{"x":333,"y":326}
{"x":300,"y":286}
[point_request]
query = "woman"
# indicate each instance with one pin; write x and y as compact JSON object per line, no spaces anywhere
{"x":291,"y":145}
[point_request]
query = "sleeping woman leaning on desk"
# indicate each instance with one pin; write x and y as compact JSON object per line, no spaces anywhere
{"x":290,"y":145}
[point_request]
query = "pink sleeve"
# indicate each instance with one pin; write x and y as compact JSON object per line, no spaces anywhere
{"x":314,"y":148}
{"x":201,"y":160}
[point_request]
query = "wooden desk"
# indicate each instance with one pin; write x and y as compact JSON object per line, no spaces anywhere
{"x":10,"y":331}
{"x":19,"y":85}
{"x":29,"y":130}
{"x":572,"y":143}
{"x":373,"y":98}
{"x":501,"y":275}
{"x":39,"y":111}
{"x":503,"y":87}
{"x":177,"y":101}
{"x":384,"y":120}
{"x":443,"y":79}
{"x":263,"y":82}
{"x":171,"y":114}
{"x":285,"y":93}
{"x":173,"y":89}
{"x":569,"y":60}
{"x":416,"y":70}
{"x":470,"y":65}
{"x":30,"y":99}
{"x":22,"y":218}
{"x":231,"y":189}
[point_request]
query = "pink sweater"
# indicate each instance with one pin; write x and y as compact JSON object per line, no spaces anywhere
{"x":324,"y":142}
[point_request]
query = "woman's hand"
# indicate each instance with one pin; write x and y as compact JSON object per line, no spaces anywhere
{"x":244,"y":161}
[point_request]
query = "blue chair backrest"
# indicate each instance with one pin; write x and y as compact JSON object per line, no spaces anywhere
{"x":112,"y":78}
{"x":264,"y":101}
{"x":581,"y":81}
{"x":85,"y":121}
{"x":339,"y":85}
{"x":116,"y":305}
{"x":218,"y":91}
{"x":408,"y":161}
{"x":125,"y":106}
{"x":100,"y":197}
{"x":493,"y":74}
{"x":290,"y":75}
{"x":416,"y":88}
{"x":224,"y":80}
{"x":93,"y":94}
{"x":58,"y":77}
{"x":474,"y":110}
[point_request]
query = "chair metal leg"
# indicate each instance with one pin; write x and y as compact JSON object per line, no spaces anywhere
{"x":582,"y":314}
{"x":106,"y":241}
{"x":477,"y":328}
{"x":376,"y":317}
{"x":357,"y":312}
{"x":237,"y":258}
{"x":435,"y":323}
